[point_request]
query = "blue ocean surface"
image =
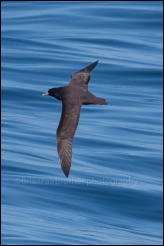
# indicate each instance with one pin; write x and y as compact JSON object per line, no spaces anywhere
{"x":114,"y":192}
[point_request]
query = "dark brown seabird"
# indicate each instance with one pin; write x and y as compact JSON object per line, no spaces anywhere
{"x":72,"y":96}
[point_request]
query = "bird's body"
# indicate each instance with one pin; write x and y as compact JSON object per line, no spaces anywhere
{"x":73,"y":96}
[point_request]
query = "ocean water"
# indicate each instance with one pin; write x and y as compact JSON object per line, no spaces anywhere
{"x":114,"y":192}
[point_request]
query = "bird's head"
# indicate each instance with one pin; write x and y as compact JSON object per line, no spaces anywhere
{"x":54,"y":92}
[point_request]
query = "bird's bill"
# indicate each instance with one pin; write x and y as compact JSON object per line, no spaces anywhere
{"x":45,"y":94}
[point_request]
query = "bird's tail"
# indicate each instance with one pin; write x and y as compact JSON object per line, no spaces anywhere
{"x":89,"y":68}
{"x":92,"y":99}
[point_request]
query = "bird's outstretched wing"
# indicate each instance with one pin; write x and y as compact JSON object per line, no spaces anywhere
{"x":65,"y":133}
{"x":89,"y":68}
{"x":82,"y":77}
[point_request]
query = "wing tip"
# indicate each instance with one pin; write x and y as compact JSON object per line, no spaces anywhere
{"x":66,"y":172}
{"x":65,"y":168}
{"x":90,"y":67}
